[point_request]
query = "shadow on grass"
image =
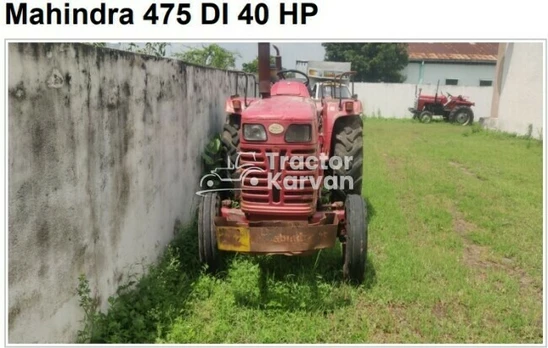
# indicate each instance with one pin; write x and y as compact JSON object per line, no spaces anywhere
{"x":371,"y":212}
{"x":302,"y":283}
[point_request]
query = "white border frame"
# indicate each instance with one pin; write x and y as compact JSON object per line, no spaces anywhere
{"x":5,"y":153}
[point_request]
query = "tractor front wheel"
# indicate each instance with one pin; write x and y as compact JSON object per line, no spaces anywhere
{"x":210,"y":207}
{"x":426,"y":117}
{"x":462,"y":115}
{"x":355,"y":245}
{"x":231,"y":140}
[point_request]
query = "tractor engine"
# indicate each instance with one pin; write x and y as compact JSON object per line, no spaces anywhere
{"x":279,"y":148}
{"x":279,"y":145}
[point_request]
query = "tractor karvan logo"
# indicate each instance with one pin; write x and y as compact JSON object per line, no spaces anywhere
{"x":308,"y":163}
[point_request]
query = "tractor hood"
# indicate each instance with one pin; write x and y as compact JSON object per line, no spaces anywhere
{"x":432,"y":98}
{"x":281,"y":108}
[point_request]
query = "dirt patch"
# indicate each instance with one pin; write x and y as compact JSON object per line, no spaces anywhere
{"x":388,"y":158}
{"x":460,"y":225}
{"x":439,"y":310}
{"x":398,"y":312}
{"x":391,"y":162}
{"x":477,"y":257}
{"x":465,"y":170}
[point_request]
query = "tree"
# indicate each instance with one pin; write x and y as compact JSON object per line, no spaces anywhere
{"x":212,"y":55}
{"x":97,"y":44}
{"x":373,"y":62}
{"x":157,"y":49}
{"x":253,"y":66}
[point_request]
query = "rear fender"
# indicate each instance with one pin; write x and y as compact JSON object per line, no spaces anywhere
{"x":333,"y":117}
{"x":235,"y":100}
{"x":465,"y":103}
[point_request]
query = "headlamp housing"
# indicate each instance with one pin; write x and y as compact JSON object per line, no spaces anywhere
{"x":254,"y":132}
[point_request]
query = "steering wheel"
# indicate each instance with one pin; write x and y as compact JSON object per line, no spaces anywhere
{"x":281,"y":75}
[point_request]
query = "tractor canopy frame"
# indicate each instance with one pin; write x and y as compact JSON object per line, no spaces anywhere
{"x":246,"y":76}
{"x":338,"y":81}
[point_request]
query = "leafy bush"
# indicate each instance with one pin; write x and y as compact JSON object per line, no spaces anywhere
{"x":143,"y":309}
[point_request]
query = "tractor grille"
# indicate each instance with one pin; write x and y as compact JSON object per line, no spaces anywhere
{"x":296,"y":194}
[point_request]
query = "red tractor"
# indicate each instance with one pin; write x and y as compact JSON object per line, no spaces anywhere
{"x":454,"y":109}
{"x":304,"y":191}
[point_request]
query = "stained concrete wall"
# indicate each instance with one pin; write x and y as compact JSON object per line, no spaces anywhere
{"x":394,"y":99}
{"x":518,"y":95}
{"x":104,"y":156}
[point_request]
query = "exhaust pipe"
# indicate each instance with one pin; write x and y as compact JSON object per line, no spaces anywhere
{"x":264,"y":69}
{"x":278,"y":59}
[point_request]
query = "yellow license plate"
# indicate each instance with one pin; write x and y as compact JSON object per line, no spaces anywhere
{"x":233,"y":238}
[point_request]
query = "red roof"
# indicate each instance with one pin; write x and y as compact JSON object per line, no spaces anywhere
{"x":453,"y":51}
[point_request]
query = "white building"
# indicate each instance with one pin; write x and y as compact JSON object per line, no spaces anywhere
{"x":455,"y":64}
{"x":517,"y":103}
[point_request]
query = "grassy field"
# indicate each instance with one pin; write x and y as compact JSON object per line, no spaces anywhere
{"x":455,"y":256}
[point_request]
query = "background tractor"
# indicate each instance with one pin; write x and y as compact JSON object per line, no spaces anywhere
{"x":454,"y":109}
{"x":264,"y":219}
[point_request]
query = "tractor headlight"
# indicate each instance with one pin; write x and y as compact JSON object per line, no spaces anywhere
{"x":254,"y":132}
{"x":298,"y":133}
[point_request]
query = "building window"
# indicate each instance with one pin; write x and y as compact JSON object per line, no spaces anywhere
{"x":451,"y":82}
{"x":486,"y":83}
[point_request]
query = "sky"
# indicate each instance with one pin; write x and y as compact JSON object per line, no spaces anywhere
{"x":290,"y":52}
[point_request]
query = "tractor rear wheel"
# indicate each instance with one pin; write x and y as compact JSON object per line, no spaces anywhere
{"x":348,"y":149}
{"x":355,"y":245}
{"x":210,"y":207}
{"x":462,"y":115}
{"x":426,"y":117}
{"x":231,"y":141}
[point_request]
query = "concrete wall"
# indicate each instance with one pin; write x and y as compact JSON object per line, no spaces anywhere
{"x":518,"y":95}
{"x":467,"y":74}
{"x":393,"y":99}
{"x":104,"y":156}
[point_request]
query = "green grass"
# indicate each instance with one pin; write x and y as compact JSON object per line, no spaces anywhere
{"x":455,"y":256}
